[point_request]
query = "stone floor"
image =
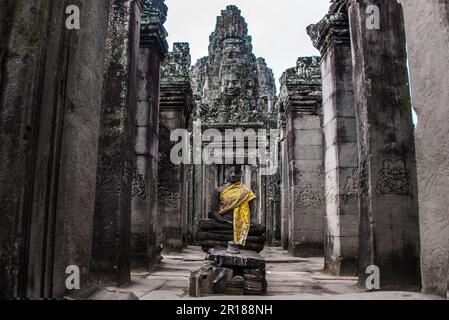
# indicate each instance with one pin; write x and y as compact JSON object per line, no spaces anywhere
{"x":289,"y":278}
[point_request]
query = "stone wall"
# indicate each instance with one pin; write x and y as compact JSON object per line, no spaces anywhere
{"x":175,"y":109}
{"x":427,"y":31}
{"x":301,"y":97}
{"x":49,"y":129}
{"x":111,"y":242}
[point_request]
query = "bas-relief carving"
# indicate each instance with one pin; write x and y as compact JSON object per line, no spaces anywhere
{"x":307,"y":69}
{"x":107,"y":179}
{"x":139,"y":186}
{"x":394,"y":178}
{"x":351,"y":189}
{"x":168,"y":199}
{"x":308,"y":196}
{"x":231,"y":85}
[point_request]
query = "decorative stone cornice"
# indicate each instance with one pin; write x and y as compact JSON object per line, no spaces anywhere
{"x":332,"y":29}
{"x":175,"y":69}
{"x":176,"y":90}
{"x":301,"y":88}
{"x":154,"y":15}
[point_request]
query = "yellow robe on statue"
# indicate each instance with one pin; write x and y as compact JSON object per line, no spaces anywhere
{"x":237,"y":197}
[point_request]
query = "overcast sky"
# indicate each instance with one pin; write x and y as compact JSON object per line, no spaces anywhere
{"x":278,"y":28}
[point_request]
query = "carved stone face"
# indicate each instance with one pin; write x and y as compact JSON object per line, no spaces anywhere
{"x":232,"y":52}
{"x":231,"y":85}
{"x":303,"y":71}
{"x":233,"y":173}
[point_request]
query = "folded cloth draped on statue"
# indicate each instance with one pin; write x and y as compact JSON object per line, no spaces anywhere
{"x":237,"y":197}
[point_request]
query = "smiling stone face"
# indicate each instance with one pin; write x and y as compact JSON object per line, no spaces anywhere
{"x":233,"y":52}
{"x":231,"y":85}
{"x":226,"y":83}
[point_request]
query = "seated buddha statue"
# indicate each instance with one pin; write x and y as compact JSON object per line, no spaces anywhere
{"x":230,"y":216}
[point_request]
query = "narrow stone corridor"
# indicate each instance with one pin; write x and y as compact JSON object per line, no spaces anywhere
{"x":118,"y":148}
{"x":289,"y":278}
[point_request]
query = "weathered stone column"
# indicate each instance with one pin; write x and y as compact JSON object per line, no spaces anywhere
{"x":144,"y":223}
{"x":284,"y":188}
{"x":427,"y":30}
{"x":267,"y":104}
{"x":49,"y":127}
{"x":331,"y":37}
{"x":301,"y":89}
{"x":389,"y":230}
{"x":175,"y":107}
{"x":112,"y":223}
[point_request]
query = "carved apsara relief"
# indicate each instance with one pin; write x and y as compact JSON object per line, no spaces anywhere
{"x":351,"y":189}
{"x":140,"y":186}
{"x":394,"y":178}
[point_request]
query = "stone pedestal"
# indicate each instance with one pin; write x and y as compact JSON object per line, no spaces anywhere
{"x":331,"y":37}
{"x":427,"y":30}
{"x":213,"y":234}
{"x":301,"y":90}
{"x":226,"y":271}
{"x":145,"y":217}
{"x":175,"y":108}
{"x":112,"y":222}
{"x":389,"y":229}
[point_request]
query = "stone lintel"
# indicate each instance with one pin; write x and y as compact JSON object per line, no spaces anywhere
{"x":176,"y":98}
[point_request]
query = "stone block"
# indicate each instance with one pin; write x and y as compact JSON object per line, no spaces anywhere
{"x":310,"y":137}
{"x":307,"y":122}
{"x":308,"y":152}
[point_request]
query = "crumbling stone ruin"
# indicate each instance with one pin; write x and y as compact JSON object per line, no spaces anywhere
{"x":86,"y":115}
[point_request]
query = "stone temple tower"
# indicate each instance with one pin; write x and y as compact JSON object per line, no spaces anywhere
{"x":234,"y":90}
{"x":231,"y":85}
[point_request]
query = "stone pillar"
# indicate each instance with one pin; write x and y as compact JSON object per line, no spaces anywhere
{"x":389,"y":230}
{"x":331,"y":37}
{"x":49,"y":128}
{"x":271,"y":186}
{"x":305,"y":157}
{"x":144,"y":222}
{"x":111,"y":241}
{"x":175,"y":107}
{"x":427,"y":30}
{"x":284,"y":182}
